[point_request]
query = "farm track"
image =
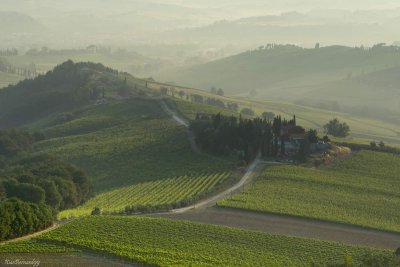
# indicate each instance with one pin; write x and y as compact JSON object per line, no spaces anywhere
{"x":292,"y":226}
{"x":206,"y":212}
{"x":273,"y":223}
{"x":30,"y":236}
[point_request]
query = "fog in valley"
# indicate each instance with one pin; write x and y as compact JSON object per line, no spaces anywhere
{"x":234,"y":45}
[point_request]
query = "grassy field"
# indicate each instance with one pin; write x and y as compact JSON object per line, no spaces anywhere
{"x":361,"y":190}
{"x":7,"y":78}
{"x":163,"y":242}
{"x":160,"y":192}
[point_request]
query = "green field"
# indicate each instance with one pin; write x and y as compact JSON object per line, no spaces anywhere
{"x":160,"y":192}
{"x":163,"y":242}
{"x":362,"y":190}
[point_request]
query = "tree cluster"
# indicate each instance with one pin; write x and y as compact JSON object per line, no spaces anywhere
{"x":18,"y":218}
{"x":224,"y":135}
{"x":33,"y":188}
{"x":216,"y":91}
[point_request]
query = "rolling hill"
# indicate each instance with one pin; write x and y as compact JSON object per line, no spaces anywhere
{"x":109,"y":124}
{"x":336,"y":78}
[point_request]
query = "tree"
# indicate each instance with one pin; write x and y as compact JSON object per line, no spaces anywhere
{"x":164,"y":90}
{"x":220,"y":92}
{"x":381,"y":144}
{"x":336,"y":128}
{"x":373,"y":145}
{"x":326,"y":139}
{"x":269,"y":116}
{"x":181,"y":94}
{"x":317,"y":46}
{"x":312,"y":136}
{"x":25,"y":191}
{"x":197,"y":98}
{"x":247,"y":111}
{"x":233,"y":106}
{"x":213,"y":90}
{"x":304,"y":151}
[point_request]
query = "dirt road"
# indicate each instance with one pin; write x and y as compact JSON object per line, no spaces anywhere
{"x":292,"y":226}
{"x":277,"y":224}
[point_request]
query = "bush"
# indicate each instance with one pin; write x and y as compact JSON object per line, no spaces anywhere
{"x":96,"y":211}
{"x":247,"y":111}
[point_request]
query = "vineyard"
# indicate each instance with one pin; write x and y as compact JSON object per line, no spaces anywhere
{"x":362,"y":190}
{"x":164,"y":242}
{"x":34,"y":246}
{"x":126,"y":143}
{"x":171,"y":192}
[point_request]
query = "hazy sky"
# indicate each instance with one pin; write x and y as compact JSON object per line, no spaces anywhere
{"x":125,"y":22}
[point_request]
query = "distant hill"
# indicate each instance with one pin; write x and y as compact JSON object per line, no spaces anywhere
{"x":12,"y":22}
{"x":350,"y":77}
{"x":68,"y":86}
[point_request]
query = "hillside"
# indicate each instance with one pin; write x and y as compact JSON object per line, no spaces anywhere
{"x":333,"y":77}
{"x":108,"y":124}
{"x":66,"y":87}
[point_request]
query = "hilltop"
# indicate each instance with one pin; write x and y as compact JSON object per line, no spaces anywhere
{"x":68,"y":86}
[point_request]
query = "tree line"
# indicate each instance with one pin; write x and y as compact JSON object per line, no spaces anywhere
{"x":27,"y":72}
{"x":8,"y":52}
{"x":33,"y":188}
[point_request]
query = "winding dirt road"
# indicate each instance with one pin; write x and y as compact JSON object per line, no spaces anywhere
{"x":277,"y":224}
{"x":206,"y":212}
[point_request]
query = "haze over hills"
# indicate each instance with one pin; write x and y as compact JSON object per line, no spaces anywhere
{"x":18,"y":23}
{"x":126,"y":23}
{"x":337,"y":78}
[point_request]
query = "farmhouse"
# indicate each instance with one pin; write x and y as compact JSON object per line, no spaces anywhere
{"x":293,"y":135}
